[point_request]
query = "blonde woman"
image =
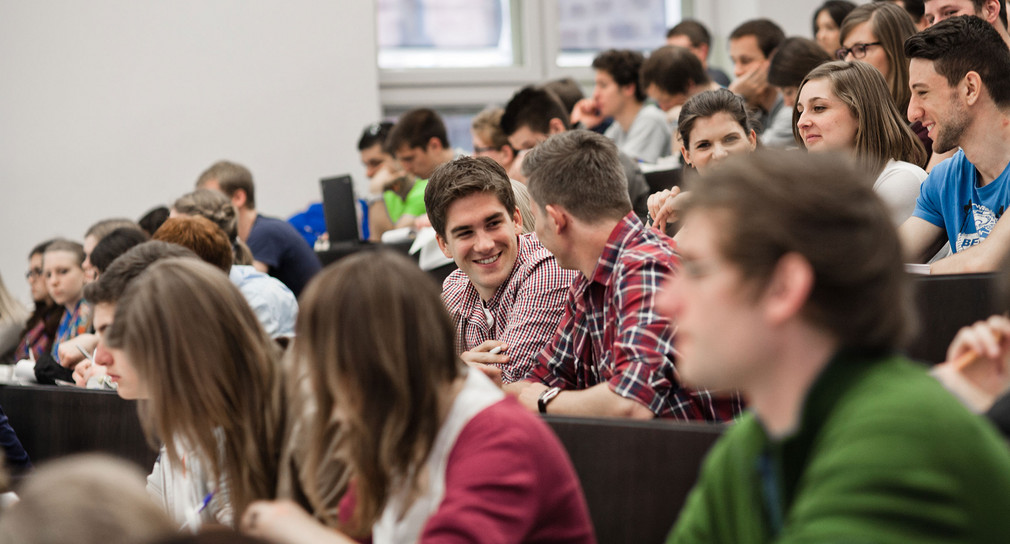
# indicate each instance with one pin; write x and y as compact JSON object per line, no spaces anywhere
{"x":436,"y":451}
{"x":184,"y":339}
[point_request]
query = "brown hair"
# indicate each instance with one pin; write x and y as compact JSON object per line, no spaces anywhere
{"x":461,"y":178}
{"x":197,"y":233}
{"x":415,"y":129}
{"x":211,"y":372}
{"x":777,"y":202}
{"x":673,"y":69}
{"x":62,"y":244}
{"x":793,"y":60}
{"x":708,"y":103}
{"x":962,"y":44}
{"x":230,"y":176}
{"x":219,"y":209}
{"x":379,"y":373}
{"x":112,"y":283}
{"x":892,"y":26}
{"x":580,"y":171}
{"x":882,"y":132}
{"x":105,"y":226}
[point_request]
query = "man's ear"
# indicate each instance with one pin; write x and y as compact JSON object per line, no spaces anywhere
{"x":238,"y":198}
{"x":990,"y":11}
{"x":788,"y":289}
{"x":508,"y":153}
{"x":558,"y":217}
{"x":555,"y":126}
{"x":703,"y":47}
{"x":443,"y":246}
{"x":628,"y":90}
{"x":972,"y":87}
{"x":517,"y":218}
{"x":434,"y":145}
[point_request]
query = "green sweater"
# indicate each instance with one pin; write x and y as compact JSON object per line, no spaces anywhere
{"x":883,"y":454}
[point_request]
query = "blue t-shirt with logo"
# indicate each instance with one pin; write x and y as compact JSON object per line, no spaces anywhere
{"x":951,"y":199}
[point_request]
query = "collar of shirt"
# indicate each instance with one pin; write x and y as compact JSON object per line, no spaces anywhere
{"x":629,"y":227}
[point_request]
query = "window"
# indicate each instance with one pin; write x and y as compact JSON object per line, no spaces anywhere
{"x":586,"y":27}
{"x":466,"y":54}
{"x":419,"y":34}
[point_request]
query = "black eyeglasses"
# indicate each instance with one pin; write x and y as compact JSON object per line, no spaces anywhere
{"x":858,"y":50}
{"x":33,"y":273}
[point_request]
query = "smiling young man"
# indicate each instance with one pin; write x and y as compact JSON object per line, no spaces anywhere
{"x":844,"y":439}
{"x":508,"y":292}
{"x":612,"y":355}
{"x":958,"y":74}
{"x":991,"y":11}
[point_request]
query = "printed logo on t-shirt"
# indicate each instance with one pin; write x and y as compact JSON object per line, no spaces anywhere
{"x":985,"y":220}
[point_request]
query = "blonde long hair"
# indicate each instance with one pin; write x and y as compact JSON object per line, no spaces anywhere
{"x":379,"y":348}
{"x":11,"y":311}
{"x":212,"y":374}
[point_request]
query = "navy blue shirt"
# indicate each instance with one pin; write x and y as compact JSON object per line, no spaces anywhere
{"x":17,"y":459}
{"x":287,"y":255}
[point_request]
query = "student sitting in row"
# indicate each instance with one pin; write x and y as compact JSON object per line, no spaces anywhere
{"x":438,"y":453}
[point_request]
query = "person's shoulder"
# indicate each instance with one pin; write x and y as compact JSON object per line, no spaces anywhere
{"x":454,"y":288}
{"x":653,"y":116}
{"x":895,"y":396}
{"x":647,"y":247}
{"x":906,"y":168}
{"x":507,"y":422}
{"x":954,"y":167}
{"x":742,"y":440}
{"x":273,"y":228}
{"x":247,"y":278}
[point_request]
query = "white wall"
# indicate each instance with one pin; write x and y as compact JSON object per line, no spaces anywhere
{"x":111,"y":107}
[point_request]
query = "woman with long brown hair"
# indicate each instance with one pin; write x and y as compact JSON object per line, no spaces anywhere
{"x":845,"y":107}
{"x":184,"y":339}
{"x":436,"y":451}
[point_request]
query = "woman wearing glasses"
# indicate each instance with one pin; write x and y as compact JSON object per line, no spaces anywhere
{"x":875,"y":33}
{"x":844,"y":107}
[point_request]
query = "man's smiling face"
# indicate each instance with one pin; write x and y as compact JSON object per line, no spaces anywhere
{"x":481,"y":236}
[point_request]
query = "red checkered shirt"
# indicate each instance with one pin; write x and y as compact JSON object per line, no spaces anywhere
{"x":612,"y":334}
{"x":526,"y":308}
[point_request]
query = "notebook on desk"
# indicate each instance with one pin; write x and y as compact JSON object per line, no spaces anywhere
{"x":340,"y":209}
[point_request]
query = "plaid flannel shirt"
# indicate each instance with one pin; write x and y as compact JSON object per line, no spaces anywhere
{"x":526,"y":308}
{"x":612,"y":334}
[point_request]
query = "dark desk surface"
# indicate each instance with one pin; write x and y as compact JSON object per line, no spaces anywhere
{"x":56,"y":421}
{"x":635,"y":474}
{"x":944,"y":304}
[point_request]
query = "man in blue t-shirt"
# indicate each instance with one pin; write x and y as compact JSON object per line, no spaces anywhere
{"x":958,"y":74}
{"x":276,"y":246}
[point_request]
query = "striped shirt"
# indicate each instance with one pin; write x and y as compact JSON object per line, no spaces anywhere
{"x":525,"y":310}
{"x":612,"y":334}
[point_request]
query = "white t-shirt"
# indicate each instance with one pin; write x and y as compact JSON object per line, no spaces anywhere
{"x":898,"y":186}
{"x":648,"y":137}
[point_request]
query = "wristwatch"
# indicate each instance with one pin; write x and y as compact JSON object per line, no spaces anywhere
{"x":546,"y":397}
